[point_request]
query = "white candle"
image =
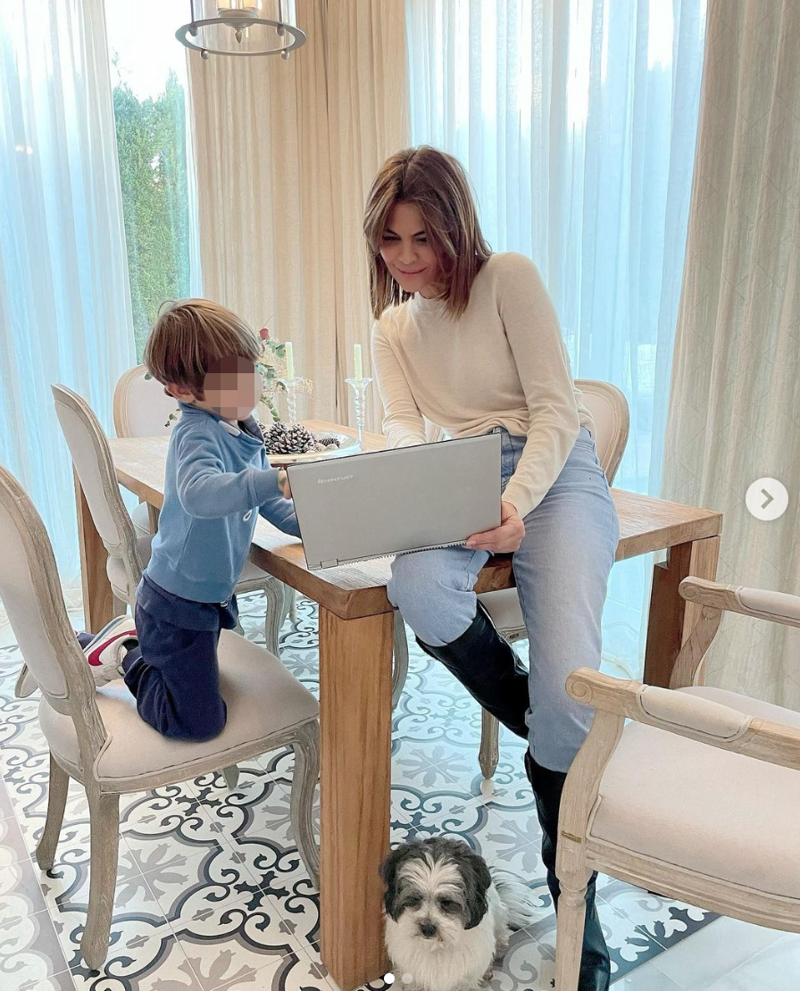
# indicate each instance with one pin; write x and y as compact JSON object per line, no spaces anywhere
{"x":289,"y":354}
{"x":359,"y":371}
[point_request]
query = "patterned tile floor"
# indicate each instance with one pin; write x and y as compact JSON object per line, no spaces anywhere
{"x":212,"y":896}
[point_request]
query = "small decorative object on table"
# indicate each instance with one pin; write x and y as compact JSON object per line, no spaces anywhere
{"x":359,"y":386}
{"x":276,"y":365}
{"x":290,"y":385}
{"x":290,"y":441}
{"x":297,"y":439}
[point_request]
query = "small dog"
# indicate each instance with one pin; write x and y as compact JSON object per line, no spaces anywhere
{"x":448,"y":915}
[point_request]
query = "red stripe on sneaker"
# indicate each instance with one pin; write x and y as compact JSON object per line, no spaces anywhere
{"x":94,"y":656}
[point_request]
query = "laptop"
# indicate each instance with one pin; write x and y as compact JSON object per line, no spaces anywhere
{"x":365,"y":506}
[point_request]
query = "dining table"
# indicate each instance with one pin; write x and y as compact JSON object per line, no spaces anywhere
{"x":355,"y":672}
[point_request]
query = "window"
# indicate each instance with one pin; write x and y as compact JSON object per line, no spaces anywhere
{"x":148,"y":73}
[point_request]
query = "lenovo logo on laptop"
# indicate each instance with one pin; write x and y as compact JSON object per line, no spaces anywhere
{"x":335,"y":478}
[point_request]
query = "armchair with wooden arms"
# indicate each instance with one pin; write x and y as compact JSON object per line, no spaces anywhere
{"x":697,"y":797}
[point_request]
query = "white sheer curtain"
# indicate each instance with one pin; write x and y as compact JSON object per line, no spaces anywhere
{"x":64,"y":301}
{"x":577,"y":121}
{"x":369,"y":120}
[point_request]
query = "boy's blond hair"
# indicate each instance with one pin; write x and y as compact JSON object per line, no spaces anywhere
{"x":189,"y":336}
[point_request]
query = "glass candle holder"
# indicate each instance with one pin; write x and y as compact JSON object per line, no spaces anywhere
{"x":359,"y":387}
{"x":291,"y":387}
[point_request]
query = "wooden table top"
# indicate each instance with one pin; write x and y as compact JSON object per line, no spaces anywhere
{"x":350,"y":591}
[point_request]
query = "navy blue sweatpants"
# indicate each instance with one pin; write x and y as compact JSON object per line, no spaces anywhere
{"x":174,"y":672}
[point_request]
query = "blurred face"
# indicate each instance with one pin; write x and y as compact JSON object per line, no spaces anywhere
{"x":405,"y":250}
{"x":232,"y":389}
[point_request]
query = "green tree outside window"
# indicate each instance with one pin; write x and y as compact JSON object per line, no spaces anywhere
{"x":151,"y":146}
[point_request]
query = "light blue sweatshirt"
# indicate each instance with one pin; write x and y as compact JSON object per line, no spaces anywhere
{"x":218,"y":481}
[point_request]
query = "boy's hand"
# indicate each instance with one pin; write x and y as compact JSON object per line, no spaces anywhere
{"x":283,"y":483}
{"x":504,"y":539}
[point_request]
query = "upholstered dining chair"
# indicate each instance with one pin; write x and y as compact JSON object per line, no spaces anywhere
{"x":609,"y":410}
{"x":96,"y":736}
{"x":141,"y":408}
{"x":696,"y":797}
{"x":128,"y":552}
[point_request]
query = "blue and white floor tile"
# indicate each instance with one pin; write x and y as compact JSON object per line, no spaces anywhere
{"x":212,"y":894}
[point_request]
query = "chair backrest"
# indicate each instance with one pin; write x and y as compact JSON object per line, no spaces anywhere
{"x":141,"y":407}
{"x":609,"y":409}
{"x":31,"y":594}
{"x":91,"y":458}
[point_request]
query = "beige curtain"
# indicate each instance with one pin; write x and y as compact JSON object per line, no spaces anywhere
{"x":368,"y":108}
{"x":735,"y":399}
{"x":285,"y":155}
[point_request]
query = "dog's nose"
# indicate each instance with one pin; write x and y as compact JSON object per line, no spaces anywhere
{"x":427,"y":929}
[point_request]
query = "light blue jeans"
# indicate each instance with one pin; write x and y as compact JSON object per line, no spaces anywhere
{"x":561,"y":571}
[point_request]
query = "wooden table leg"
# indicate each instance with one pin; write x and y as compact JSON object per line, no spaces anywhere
{"x":356,"y":730}
{"x":671,"y":617}
{"x":152,"y":518}
{"x":98,"y":600}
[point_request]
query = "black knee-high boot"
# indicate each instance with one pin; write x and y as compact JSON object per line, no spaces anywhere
{"x":547,"y":788}
{"x":487,"y":666}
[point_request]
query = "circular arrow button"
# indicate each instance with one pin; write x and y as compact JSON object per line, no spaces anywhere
{"x":767,"y":499}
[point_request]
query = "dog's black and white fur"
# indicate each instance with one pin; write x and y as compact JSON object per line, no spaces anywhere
{"x":448,"y":915}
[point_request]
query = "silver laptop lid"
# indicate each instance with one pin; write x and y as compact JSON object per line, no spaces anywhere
{"x":390,"y":502}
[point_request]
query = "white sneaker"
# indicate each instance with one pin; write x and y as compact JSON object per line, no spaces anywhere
{"x":106,"y":651}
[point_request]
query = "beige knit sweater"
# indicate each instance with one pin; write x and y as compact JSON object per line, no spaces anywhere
{"x":502,"y":363}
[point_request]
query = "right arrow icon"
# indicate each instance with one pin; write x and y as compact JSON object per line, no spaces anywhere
{"x":767,"y":499}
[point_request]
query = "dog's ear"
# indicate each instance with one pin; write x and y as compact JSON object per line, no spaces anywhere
{"x":477,"y":880}
{"x":388,"y":871}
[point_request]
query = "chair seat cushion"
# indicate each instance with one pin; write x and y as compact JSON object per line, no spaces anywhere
{"x":252,"y":573}
{"x":504,"y":608}
{"x":115,"y":569}
{"x":708,"y":810}
{"x":264,"y":700}
{"x":140,"y":517}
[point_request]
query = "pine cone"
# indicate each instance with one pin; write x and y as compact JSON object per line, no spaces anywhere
{"x":300,"y":439}
{"x":289,"y":440}
{"x":280,"y":439}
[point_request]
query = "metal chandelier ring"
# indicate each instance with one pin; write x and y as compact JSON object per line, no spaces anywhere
{"x":184,"y":35}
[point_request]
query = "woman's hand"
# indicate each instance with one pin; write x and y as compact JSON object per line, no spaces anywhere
{"x":504,"y":539}
{"x":283,"y":484}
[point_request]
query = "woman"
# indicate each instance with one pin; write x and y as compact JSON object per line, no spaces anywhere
{"x":469,"y":340}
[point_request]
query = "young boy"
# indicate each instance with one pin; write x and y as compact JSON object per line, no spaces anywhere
{"x":218,"y":481}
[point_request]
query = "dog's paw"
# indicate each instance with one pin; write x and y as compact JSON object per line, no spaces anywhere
{"x":500,"y":950}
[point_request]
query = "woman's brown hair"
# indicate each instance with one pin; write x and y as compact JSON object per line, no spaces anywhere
{"x":437,"y":185}
{"x":189,"y":336}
